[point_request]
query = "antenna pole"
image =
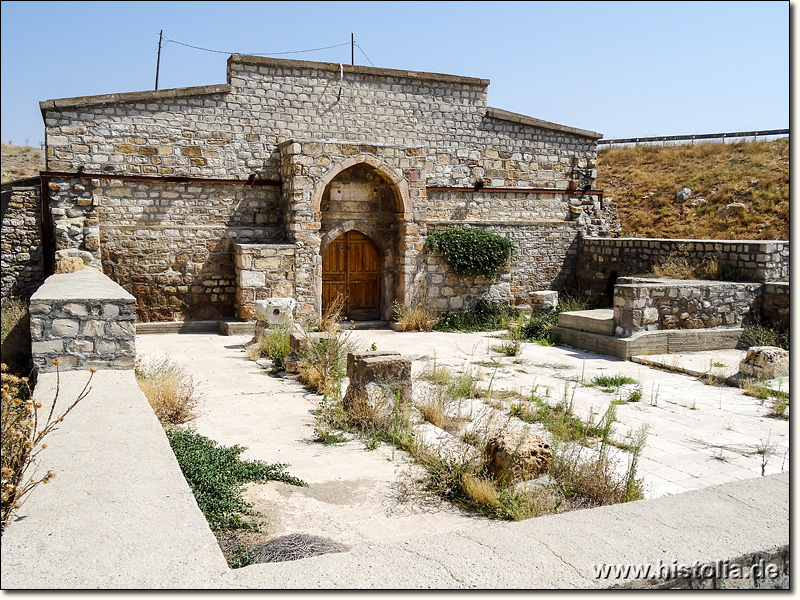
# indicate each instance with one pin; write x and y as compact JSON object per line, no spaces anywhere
{"x":158,"y":61}
{"x":352,"y":50}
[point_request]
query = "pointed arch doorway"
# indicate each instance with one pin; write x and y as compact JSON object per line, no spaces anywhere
{"x":351,"y":268}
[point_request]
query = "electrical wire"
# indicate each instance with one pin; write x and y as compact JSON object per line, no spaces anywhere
{"x":167,"y":41}
{"x":364,"y":53}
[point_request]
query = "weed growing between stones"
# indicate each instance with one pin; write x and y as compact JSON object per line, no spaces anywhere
{"x":169,"y":389}
{"x":539,"y":327}
{"x":22,"y":437}
{"x":273,"y":343}
{"x":485,"y":316}
{"x":215,"y":475}
{"x":611,"y":383}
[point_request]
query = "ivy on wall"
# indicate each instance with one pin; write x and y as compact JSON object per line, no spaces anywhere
{"x":472,"y":252}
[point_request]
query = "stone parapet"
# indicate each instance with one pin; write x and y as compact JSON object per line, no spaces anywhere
{"x":85,"y":320}
{"x":653,"y":304}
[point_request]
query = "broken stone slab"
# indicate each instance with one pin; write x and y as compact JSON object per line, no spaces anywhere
{"x":375,"y":402}
{"x":544,"y":300}
{"x":386,"y":366}
{"x":765,"y":362}
{"x":513,"y":456}
{"x":291,"y":362}
{"x":275,"y":311}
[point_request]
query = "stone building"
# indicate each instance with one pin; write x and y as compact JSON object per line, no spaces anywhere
{"x":304,"y":179}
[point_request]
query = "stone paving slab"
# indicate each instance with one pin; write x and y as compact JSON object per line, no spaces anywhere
{"x":714,"y":431}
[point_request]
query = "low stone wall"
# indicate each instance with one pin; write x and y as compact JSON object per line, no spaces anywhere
{"x":263,"y":271}
{"x":602,"y":260}
{"x":658,"y":304}
{"x":22,"y":258}
{"x":775,"y":305}
{"x":85,"y":320}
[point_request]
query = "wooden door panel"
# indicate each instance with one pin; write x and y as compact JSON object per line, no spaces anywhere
{"x":351,"y":267}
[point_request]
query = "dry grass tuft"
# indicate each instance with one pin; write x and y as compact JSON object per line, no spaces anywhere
{"x":480,"y":490}
{"x":169,"y":389}
{"x":414,"y":317}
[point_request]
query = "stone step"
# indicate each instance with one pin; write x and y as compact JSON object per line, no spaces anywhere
{"x":598,"y":320}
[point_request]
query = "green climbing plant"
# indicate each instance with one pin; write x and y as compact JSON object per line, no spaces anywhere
{"x":472,"y":252}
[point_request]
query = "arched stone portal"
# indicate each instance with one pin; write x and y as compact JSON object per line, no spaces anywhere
{"x":361,"y":213}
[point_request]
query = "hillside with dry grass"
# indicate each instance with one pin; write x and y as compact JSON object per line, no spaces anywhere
{"x":20,"y":162}
{"x":644,"y":180}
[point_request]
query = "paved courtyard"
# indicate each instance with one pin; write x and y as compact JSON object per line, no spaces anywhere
{"x":699,"y":435}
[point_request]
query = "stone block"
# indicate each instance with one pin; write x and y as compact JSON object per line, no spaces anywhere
{"x":254,"y":279}
{"x":279,"y":311}
{"x":64,"y":328}
{"x":544,"y":300}
{"x":303,"y":343}
{"x":514,"y":456}
{"x":765,"y":362}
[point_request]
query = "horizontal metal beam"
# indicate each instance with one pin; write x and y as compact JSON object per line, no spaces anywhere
{"x":695,"y":136}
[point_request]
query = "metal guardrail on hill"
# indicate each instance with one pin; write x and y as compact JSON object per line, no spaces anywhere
{"x":696,"y":136}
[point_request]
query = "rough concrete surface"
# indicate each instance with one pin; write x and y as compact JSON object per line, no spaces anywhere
{"x":120,"y":515}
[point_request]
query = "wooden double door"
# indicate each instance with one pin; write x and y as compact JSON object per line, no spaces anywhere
{"x":351,"y":266}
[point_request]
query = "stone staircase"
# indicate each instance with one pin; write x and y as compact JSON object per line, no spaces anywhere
{"x":594,"y":330}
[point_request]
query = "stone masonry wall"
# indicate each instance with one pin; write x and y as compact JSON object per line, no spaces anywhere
{"x":775,"y":305}
{"x":233,"y":130}
{"x":652,"y":304}
{"x":85,"y":320}
{"x":601,"y":260}
{"x":168,"y":244}
{"x":22,"y":258}
{"x":286,"y":122}
{"x":263,"y":271}
{"x":544,"y":259}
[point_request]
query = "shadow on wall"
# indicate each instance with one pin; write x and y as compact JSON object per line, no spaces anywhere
{"x":171,"y":245}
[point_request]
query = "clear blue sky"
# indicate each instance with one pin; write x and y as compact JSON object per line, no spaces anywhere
{"x":621,"y":68}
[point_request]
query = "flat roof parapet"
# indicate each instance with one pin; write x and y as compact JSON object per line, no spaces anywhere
{"x":125,"y":97}
{"x":361,"y":70}
{"x":504,"y":115}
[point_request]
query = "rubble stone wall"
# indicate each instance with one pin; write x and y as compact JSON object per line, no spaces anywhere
{"x":651,"y":305}
{"x":22,"y":256}
{"x":602,"y":260}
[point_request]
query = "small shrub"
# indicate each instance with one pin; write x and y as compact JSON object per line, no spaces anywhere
{"x":472,"y":252}
{"x":416,"y":316}
{"x":539,"y":327}
{"x":273,"y":343}
{"x":758,"y":335}
{"x":485,"y":316}
{"x":169,"y":389}
{"x":778,"y":408}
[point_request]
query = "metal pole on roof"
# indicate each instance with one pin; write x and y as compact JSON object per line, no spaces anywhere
{"x":158,"y":61}
{"x":352,"y":50}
